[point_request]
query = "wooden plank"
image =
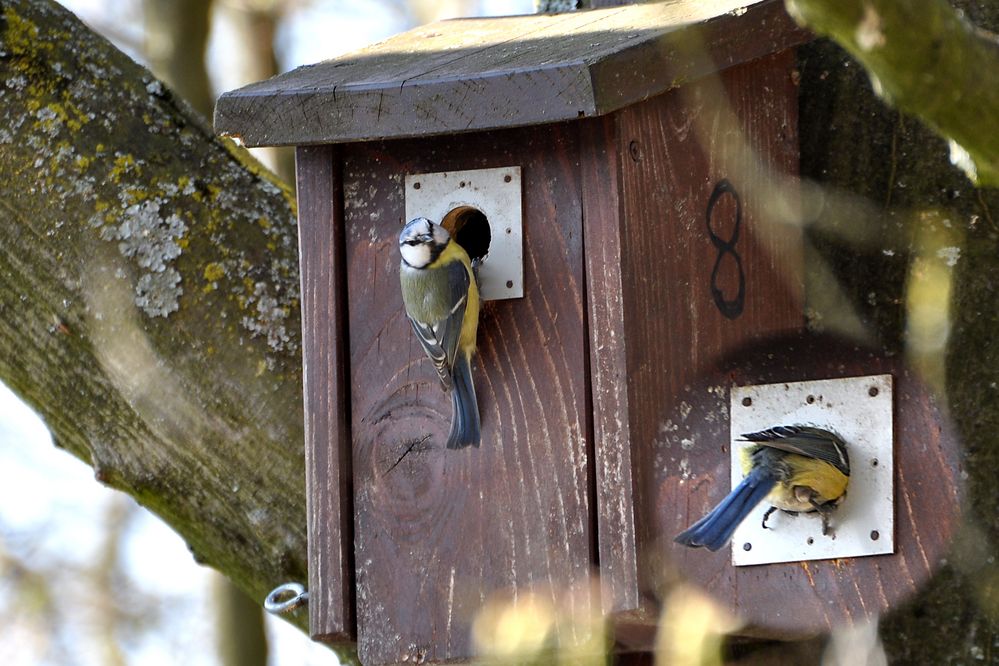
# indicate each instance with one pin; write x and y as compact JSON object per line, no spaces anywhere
{"x":675,"y":150}
{"x":440,"y":532}
{"x":790,"y":600}
{"x":648,"y":67}
{"x":614,"y":489}
{"x":458,"y":76}
{"x":327,"y":430}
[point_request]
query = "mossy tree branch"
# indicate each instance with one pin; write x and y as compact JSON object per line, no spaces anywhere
{"x":149,"y":296}
{"x":926,"y":60}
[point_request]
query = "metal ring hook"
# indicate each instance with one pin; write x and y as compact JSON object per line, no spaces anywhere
{"x":299,"y":597}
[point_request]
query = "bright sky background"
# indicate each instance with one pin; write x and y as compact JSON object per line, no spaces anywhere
{"x":52,"y":511}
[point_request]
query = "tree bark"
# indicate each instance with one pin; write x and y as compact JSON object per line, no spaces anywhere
{"x":149,"y":292}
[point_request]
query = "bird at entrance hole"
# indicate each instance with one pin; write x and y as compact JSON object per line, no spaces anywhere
{"x":441,"y":297}
{"x":796,"y":468}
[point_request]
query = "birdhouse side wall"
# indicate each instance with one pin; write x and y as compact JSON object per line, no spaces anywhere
{"x":707,"y":261}
{"x":324,"y":359}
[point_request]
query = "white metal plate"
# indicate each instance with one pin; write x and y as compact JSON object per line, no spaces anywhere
{"x":497,"y":194}
{"x":859,"y":409}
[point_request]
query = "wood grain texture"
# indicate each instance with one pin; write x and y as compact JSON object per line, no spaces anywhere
{"x":617,"y":545}
{"x":673,"y":150}
{"x":327,"y":430}
{"x":439,"y":532}
{"x":800,"y":598}
{"x":475,"y":74}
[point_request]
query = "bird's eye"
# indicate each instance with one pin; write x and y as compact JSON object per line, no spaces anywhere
{"x":411,"y":241}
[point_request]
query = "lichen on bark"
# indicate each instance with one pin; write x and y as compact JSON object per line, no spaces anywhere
{"x":150,"y":296}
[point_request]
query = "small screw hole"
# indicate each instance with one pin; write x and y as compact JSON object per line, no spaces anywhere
{"x":747,"y":546}
{"x":875,"y":535}
{"x":873,"y":391}
{"x":509,"y":284}
{"x":507,"y":178}
{"x":810,"y":541}
{"x":416,"y":186}
{"x":874,"y":462}
{"x":810,"y":399}
{"x":634,"y":151}
{"x":509,"y":230}
{"x":746,"y":402}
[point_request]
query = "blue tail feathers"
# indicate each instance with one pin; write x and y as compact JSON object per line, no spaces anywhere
{"x":465,"y":427}
{"x":714,"y":530}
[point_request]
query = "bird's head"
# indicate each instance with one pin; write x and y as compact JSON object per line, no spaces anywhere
{"x":421,"y":241}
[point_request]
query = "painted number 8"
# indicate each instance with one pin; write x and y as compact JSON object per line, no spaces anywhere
{"x":730,"y":308}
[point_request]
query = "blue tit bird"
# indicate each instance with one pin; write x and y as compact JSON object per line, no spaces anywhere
{"x":441,"y":297}
{"x":794,"y":467}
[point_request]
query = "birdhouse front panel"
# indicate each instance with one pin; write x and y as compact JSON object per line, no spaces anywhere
{"x":440,"y":533}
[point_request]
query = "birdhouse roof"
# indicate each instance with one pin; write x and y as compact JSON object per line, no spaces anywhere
{"x":490,"y":73}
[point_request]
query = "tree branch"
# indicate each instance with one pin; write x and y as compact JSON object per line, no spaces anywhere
{"x":149,"y":296}
{"x":926,"y":60}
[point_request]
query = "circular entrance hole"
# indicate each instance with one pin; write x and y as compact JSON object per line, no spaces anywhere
{"x":469,"y":227}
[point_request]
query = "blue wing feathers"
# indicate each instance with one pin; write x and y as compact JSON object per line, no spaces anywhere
{"x":714,"y":530}
{"x":465,"y":427}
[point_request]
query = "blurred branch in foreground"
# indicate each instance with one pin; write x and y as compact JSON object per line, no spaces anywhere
{"x":924,"y":58}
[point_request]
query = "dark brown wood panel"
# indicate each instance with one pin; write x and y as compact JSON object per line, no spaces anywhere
{"x":475,"y":74}
{"x":617,"y":546}
{"x":674,"y":151}
{"x":440,"y":532}
{"x":795,"y":599}
{"x":327,"y":432}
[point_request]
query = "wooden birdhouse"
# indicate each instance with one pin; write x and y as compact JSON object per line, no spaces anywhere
{"x":625,"y":176}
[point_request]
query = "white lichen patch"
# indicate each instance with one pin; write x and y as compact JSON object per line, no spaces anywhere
{"x":158,"y":294}
{"x":150,"y":238}
{"x":269,"y":317}
{"x":950,"y":255}
{"x":49,"y":121}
